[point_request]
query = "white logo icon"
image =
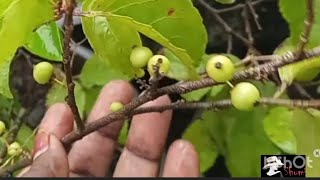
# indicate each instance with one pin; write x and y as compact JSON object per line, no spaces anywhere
{"x":273,"y":163}
{"x":316,"y":153}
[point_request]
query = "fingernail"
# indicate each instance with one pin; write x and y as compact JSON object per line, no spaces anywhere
{"x":41,"y":144}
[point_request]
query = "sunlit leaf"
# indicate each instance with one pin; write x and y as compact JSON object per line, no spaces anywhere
{"x":174,"y":24}
{"x":198,"y":134}
{"x":278,"y":126}
{"x":295,"y":12}
{"x":18,"y":21}
{"x":95,"y":72}
{"x":300,"y":71}
{"x":46,"y":42}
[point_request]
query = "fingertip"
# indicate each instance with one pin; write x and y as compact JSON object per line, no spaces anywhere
{"x":58,"y":120}
{"x":118,"y":84}
{"x":162,"y":100}
{"x":182,"y":160}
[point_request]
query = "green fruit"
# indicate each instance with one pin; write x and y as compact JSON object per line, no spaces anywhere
{"x":139,"y":73}
{"x":14,"y":149}
{"x":140,"y":56}
{"x":226,"y":1}
{"x":2,"y":127}
{"x":42,"y":72}
{"x":244,"y":95}
{"x":220,"y":68}
{"x":116,"y":106}
{"x":164,"y":64}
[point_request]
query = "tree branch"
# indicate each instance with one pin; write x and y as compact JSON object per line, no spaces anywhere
{"x":226,"y":103}
{"x":226,"y":27}
{"x":308,"y":23}
{"x":185,"y":87}
{"x":254,"y":14}
{"x":239,"y":6}
{"x":69,"y":6}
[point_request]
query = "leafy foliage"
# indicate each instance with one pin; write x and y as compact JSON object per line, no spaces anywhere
{"x":16,"y":25}
{"x":174,"y":24}
{"x":114,"y":28}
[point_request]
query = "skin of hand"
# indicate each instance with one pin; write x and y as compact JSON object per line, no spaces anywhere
{"x":92,"y":155}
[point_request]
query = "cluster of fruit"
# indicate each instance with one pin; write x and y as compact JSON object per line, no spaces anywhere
{"x":219,"y":68}
{"x":244,"y":95}
{"x":141,"y":57}
{"x":13,"y":149}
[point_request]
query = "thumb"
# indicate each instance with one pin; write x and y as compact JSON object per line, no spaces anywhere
{"x":50,"y":161}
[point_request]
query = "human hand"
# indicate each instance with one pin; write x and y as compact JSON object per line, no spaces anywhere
{"x":92,"y":155}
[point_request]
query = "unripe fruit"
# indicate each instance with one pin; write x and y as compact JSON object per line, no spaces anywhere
{"x":2,"y":127}
{"x":42,"y":72}
{"x":244,"y":95}
{"x":14,"y":149}
{"x":226,"y":1}
{"x":116,"y":106}
{"x":139,"y":73}
{"x":164,"y":64}
{"x":220,"y":68}
{"x":140,"y":56}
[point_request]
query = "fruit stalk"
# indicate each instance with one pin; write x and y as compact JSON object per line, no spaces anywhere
{"x":67,"y":59}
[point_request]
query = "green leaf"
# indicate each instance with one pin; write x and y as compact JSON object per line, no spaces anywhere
{"x":306,"y":128}
{"x":58,"y":93}
{"x":278,"y":126}
{"x":295,"y":12}
{"x":196,"y":95}
{"x":4,"y":79}
{"x":46,"y":42}
{"x":199,"y":135}
{"x":26,"y":137}
{"x":241,"y":139}
{"x":18,"y":21}
{"x":123,"y":133}
{"x":112,"y":42}
{"x":300,"y":128}
{"x":178,"y":70}
{"x":91,"y":97}
{"x":239,"y":135}
{"x":80,"y":97}
{"x":174,"y":24}
{"x":300,"y":71}
{"x":95,"y":72}
{"x":4,"y":4}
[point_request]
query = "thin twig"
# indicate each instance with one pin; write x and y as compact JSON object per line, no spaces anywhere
{"x":229,"y":46}
{"x":308,"y":23}
{"x":226,"y":27}
{"x":67,"y":60}
{"x":254,"y":14}
{"x":239,"y":6}
{"x":302,"y":91}
{"x":226,"y":103}
{"x":308,"y":84}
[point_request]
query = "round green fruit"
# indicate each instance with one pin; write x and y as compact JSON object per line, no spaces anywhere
{"x":244,"y":95}
{"x":140,"y":56}
{"x":116,"y":106}
{"x":2,"y":127}
{"x":226,"y":1}
{"x":14,"y":149}
{"x":220,"y":68}
{"x":42,"y":72}
{"x":139,"y":73}
{"x":164,"y":64}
